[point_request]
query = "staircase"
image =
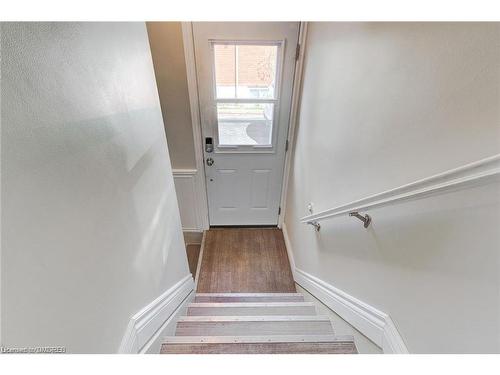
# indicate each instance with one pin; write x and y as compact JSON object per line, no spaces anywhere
{"x":255,"y":323}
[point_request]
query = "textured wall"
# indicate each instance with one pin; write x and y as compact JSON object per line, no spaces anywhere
{"x":90,"y":225}
{"x":385,"y":104}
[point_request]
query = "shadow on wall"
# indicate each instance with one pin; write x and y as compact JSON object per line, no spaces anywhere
{"x":78,"y":205}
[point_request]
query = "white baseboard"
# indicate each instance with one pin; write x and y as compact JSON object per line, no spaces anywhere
{"x":168,"y":328}
{"x":192,"y":237}
{"x":371,"y":322}
{"x":144,"y":325}
{"x":288,"y":246}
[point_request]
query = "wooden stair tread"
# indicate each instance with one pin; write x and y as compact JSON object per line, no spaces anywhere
{"x":249,"y":304}
{"x":251,"y":308}
{"x":255,"y":339}
{"x":301,"y":344}
{"x":246,"y":294}
{"x":253,"y":323}
{"x":254,"y":318}
{"x":248,"y":297}
{"x":263,"y":348}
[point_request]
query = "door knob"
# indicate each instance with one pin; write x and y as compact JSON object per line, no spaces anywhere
{"x":210,"y":162}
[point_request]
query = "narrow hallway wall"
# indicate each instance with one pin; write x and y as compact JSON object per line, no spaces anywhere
{"x":167,"y":50}
{"x":383,"y":105}
{"x":90,"y":225}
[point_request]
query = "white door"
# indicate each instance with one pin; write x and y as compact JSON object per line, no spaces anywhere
{"x":245,"y":77}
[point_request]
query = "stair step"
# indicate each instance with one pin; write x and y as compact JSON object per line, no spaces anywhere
{"x":249,"y":297}
{"x":299,"y":344}
{"x":251,"y":308}
{"x":253,"y":325}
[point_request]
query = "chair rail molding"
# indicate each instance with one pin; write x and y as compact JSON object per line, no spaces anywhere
{"x":144,"y":324}
{"x":371,"y":322}
{"x":481,"y":172}
{"x":184,"y":172}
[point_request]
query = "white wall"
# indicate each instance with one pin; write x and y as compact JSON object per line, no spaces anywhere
{"x":167,"y":50}
{"x":90,"y":225}
{"x":387,"y":104}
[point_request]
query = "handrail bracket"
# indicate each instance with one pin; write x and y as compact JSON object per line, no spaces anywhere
{"x":315,"y":224}
{"x":365,"y":219}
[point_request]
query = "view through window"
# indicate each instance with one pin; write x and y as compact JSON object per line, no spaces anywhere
{"x":245,"y":87}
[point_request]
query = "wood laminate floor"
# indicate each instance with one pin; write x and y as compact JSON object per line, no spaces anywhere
{"x":245,"y":260}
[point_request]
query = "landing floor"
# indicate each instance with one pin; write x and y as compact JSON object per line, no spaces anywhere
{"x":245,"y":260}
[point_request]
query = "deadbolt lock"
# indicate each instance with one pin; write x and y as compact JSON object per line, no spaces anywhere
{"x":210,"y":162}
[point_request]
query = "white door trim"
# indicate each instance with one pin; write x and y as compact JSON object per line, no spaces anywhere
{"x":201,"y":190}
{"x":294,"y":112}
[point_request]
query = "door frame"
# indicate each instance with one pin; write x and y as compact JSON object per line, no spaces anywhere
{"x":192,"y":82}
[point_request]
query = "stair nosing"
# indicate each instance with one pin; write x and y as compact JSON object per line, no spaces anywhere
{"x":236,"y":295}
{"x":256,"y":339}
{"x":253,"y":318}
{"x":251,"y":304}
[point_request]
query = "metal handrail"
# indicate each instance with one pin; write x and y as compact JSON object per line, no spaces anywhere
{"x":479,"y":172}
{"x":367,"y":219}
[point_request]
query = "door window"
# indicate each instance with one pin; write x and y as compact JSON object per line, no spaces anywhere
{"x":246,"y":93}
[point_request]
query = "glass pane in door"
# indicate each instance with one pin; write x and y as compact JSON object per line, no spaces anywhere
{"x":225,"y":70}
{"x":244,"y":71}
{"x":243,"y":124}
{"x":256,"y":71}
